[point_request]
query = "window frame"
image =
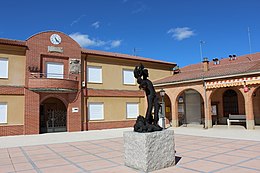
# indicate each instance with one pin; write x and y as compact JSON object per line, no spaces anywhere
{"x":123,"y":74}
{"x":88,"y":74}
{"x":103,"y":111}
{"x":53,"y":77}
{"x":138,"y":109}
{"x":6,"y":116}
{"x":7,"y":68}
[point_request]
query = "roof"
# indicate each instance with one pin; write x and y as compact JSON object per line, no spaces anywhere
{"x":12,"y":42}
{"x":125,"y":56}
{"x":242,"y":65}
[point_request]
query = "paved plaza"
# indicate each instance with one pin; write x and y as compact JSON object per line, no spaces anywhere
{"x":102,"y":152}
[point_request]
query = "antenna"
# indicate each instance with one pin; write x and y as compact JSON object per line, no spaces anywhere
{"x":135,"y":50}
{"x":249,"y":40}
{"x":201,"y":55}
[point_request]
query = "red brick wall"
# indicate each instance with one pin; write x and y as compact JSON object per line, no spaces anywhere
{"x":110,"y":124}
{"x":53,"y":83}
{"x":36,"y":56}
{"x":11,"y":130}
{"x":32,"y":112}
{"x":9,"y":90}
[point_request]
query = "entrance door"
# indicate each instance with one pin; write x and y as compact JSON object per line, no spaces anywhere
{"x":53,"y":116}
{"x":192,"y":107}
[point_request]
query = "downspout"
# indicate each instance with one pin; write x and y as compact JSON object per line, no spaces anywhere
{"x":206,"y":102}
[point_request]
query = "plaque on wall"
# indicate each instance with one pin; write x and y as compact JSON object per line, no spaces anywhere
{"x":74,"y":66}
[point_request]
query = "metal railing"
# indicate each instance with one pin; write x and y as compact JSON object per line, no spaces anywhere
{"x":52,"y":76}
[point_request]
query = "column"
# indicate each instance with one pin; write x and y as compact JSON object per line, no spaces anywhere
{"x":250,"y":121}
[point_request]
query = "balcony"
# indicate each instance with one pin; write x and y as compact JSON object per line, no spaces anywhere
{"x":45,"y":82}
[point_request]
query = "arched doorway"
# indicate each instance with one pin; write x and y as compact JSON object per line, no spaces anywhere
{"x":53,"y":116}
{"x":190,"y":107}
{"x":168,"y":111}
{"x":225,"y":101}
{"x":230,"y":102}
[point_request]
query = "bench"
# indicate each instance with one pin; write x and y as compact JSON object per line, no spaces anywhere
{"x":236,"y":118}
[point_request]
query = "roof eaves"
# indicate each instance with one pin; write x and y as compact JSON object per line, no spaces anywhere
{"x":205,"y":78}
{"x":129,"y":57}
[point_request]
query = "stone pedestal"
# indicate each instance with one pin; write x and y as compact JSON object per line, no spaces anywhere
{"x":149,"y":151}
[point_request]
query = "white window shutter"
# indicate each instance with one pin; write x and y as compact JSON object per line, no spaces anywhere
{"x":95,"y":74}
{"x":132,"y":110}
{"x":55,"y":70}
{"x":96,"y":111}
{"x":3,"y":68}
{"x":128,"y":76}
{"x":3,"y":112}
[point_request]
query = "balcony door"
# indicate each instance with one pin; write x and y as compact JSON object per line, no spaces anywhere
{"x":55,"y":70}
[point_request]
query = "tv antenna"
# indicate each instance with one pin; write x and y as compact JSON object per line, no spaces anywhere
{"x":201,"y":54}
{"x":135,"y":50}
{"x":249,"y":40}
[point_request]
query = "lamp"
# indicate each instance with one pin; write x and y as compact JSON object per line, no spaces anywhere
{"x":162,"y":94}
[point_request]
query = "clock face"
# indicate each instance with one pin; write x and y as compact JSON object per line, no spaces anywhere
{"x":55,"y":39}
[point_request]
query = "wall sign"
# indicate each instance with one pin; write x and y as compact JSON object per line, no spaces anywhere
{"x":75,"y":110}
{"x":55,"y":49}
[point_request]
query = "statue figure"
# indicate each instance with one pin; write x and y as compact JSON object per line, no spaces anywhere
{"x":150,"y":123}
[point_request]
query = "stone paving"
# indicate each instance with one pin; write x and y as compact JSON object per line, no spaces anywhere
{"x":194,"y":154}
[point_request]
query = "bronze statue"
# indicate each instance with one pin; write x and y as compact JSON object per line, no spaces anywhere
{"x":150,"y":123}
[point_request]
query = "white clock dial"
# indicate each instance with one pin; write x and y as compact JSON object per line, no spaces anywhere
{"x":55,"y":39}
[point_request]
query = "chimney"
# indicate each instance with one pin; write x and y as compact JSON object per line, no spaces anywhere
{"x":205,"y":64}
{"x":216,"y":61}
{"x":176,"y":70}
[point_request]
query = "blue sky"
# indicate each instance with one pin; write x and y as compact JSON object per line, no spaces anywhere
{"x":168,"y":30}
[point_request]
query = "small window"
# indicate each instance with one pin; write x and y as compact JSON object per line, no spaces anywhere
{"x":3,"y":112}
{"x":95,"y":111}
{"x":4,"y":68}
{"x":128,"y":77}
{"x":55,"y":70}
{"x":94,"y":74}
{"x":132,"y":110}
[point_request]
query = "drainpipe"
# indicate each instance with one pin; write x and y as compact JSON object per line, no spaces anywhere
{"x":206,"y":105}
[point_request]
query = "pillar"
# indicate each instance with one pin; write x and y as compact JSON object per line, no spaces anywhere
{"x":250,"y":121}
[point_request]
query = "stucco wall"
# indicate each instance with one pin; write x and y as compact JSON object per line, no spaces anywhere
{"x":15,"y":109}
{"x":115,"y":107}
{"x":112,"y":72}
{"x":16,"y":69}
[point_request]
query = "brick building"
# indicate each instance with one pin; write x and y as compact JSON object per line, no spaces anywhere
{"x":208,"y":92}
{"x":48,"y":83}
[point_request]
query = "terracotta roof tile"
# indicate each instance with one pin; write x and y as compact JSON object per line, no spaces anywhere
{"x":125,"y":56}
{"x":114,"y":93}
{"x":13,"y":42}
{"x":242,"y":64}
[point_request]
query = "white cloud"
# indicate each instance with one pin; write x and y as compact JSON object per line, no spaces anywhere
{"x":181,"y":33}
{"x":77,"y":20}
{"x":96,"y":24}
{"x":85,"y":41}
{"x":115,"y":43}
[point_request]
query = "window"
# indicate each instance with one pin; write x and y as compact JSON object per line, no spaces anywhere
{"x":55,"y":70}
{"x":128,"y":77}
{"x":3,"y":68}
{"x":96,"y":111}
{"x":94,"y":74}
{"x":132,"y":110}
{"x":3,"y":112}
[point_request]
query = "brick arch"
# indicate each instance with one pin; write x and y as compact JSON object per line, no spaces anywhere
{"x":55,"y":96}
{"x":53,"y":32}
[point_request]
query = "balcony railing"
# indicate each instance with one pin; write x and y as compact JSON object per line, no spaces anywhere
{"x":52,"y":76}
